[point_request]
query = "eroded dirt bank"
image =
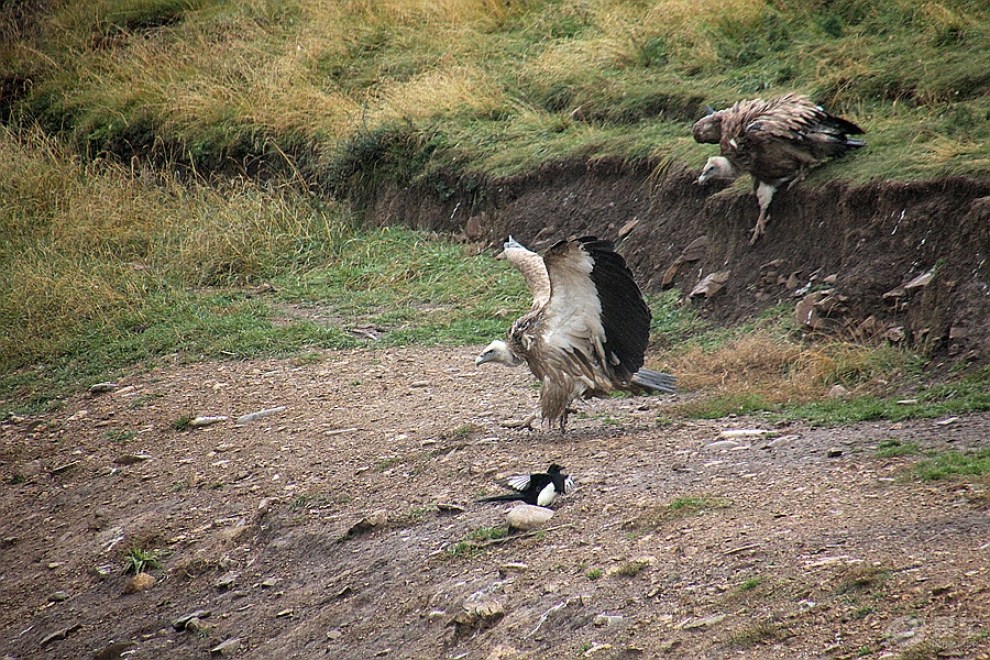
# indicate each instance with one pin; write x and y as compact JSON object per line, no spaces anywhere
{"x":861,"y":243}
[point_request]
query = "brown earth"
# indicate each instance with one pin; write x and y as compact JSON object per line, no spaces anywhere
{"x":800,"y":544}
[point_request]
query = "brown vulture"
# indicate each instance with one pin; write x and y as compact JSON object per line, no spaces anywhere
{"x":587,"y":330}
{"x":775,"y":141}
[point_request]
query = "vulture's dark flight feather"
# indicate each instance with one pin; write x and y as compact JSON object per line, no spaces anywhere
{"x":775,"y":141}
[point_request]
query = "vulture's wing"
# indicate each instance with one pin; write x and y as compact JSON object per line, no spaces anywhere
{"x":533,"y":270}
{"x":595,"y":305}
{"x":773,"y":139}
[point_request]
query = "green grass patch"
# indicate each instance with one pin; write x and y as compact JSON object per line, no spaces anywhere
{"x":139,"y":560}
{"x":895,"y":448}
{"x":954,"y":465}
{"x":476,"y":541}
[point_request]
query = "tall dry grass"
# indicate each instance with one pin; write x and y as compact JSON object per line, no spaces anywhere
{"x":87,"y":242}
{"x":781,"y":369}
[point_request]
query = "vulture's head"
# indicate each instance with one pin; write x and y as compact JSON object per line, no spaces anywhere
{"x":717,"y":167}
{"x":708,"y":129}
{"x":498,"y":351}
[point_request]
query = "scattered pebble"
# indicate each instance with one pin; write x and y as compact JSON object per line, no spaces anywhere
{"x":731,"y":434}
{"x":701,"y":622}
{"x":58,"y":597}
{"x":131,"y":459}
{"x":527,"y":516}
{"x":197,"y":422}
{"x":227,"y":647}
{"x":259,"y":414}
{"x":603,"y":620}
{"x":60,"y":634}
{"x":102,"y":388}
{"x":140,"y":582}
{"x":182,"y":623}
{"x":834,"y":452}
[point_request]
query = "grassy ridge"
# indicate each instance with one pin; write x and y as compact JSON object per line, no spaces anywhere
{"x":488,"y":87}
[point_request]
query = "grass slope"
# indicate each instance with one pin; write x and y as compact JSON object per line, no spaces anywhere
{"x":402,"y":89}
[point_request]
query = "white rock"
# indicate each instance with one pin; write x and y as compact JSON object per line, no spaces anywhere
{"x":730,"y":434}
{"x":527,"y":516}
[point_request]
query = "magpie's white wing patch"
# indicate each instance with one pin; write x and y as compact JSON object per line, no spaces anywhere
{"x":519,"y":482}
{"x":568,"y":485}
{"x":547,"y":495}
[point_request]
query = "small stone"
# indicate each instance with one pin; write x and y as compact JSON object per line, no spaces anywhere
{"x":195,"y":624}
{"x":603,"y":620}
{"x":140,"y":582}
{"x":701,"y":622}
{"x":199,"y":422}
{"x":833,"y":453}
{"x":227,"y":647}
{"x":102,"y":388}
{"x":114,"y":650}
{"x":369,"y":523}
{"x":58,"y":597}
{"x":452,"y":509}
{"x":60,"y":634}
{"x":131,"y":459}
{"x":513,"y":567}
{"x":269,"y":583}
{"x":710,"y":285}
{"x":334,"y":634}
{"x":838,"y":392}
{"x":503,"y":652}
{"x":182,"y":622}
{"x":597,"y":648}
{"x":226,"y":581}
{"x":731,"y":434}
{"x":947,"y":421}
{"x":528,"y":516}
{"x":720,"y":445}
{"x":259,"y":414}
{"x":921,"y":280}
{"x":284,"y":613}
{"x":103,"y":571}
{"x":52,"y":565}
{"x":479,"y":611}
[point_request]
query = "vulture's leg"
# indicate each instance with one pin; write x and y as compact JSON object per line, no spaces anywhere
{"x":764,"y":194}
{"x":802,"y":173}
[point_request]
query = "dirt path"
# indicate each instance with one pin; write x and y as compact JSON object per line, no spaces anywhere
{"x":800,"y":544}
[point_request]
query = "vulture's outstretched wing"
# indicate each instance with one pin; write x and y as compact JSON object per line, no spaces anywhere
{"x":533,"y":270}
{"x":595,"y":306}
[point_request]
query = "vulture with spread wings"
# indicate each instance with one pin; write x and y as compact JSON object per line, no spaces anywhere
{"x":587,"y":330}
{"x":775,"y":141}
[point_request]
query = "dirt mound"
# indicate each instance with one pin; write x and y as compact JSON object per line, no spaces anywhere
{"x":853,"y":247}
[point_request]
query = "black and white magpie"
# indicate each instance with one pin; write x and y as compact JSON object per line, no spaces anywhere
{"x":539,"y":488}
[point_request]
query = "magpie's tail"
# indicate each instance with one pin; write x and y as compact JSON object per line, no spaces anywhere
{"x":508,"y":497}
{"x":655,"y":380}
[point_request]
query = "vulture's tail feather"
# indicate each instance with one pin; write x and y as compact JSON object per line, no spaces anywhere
{"x":852,"y":144}
{"x":655,"y":380}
